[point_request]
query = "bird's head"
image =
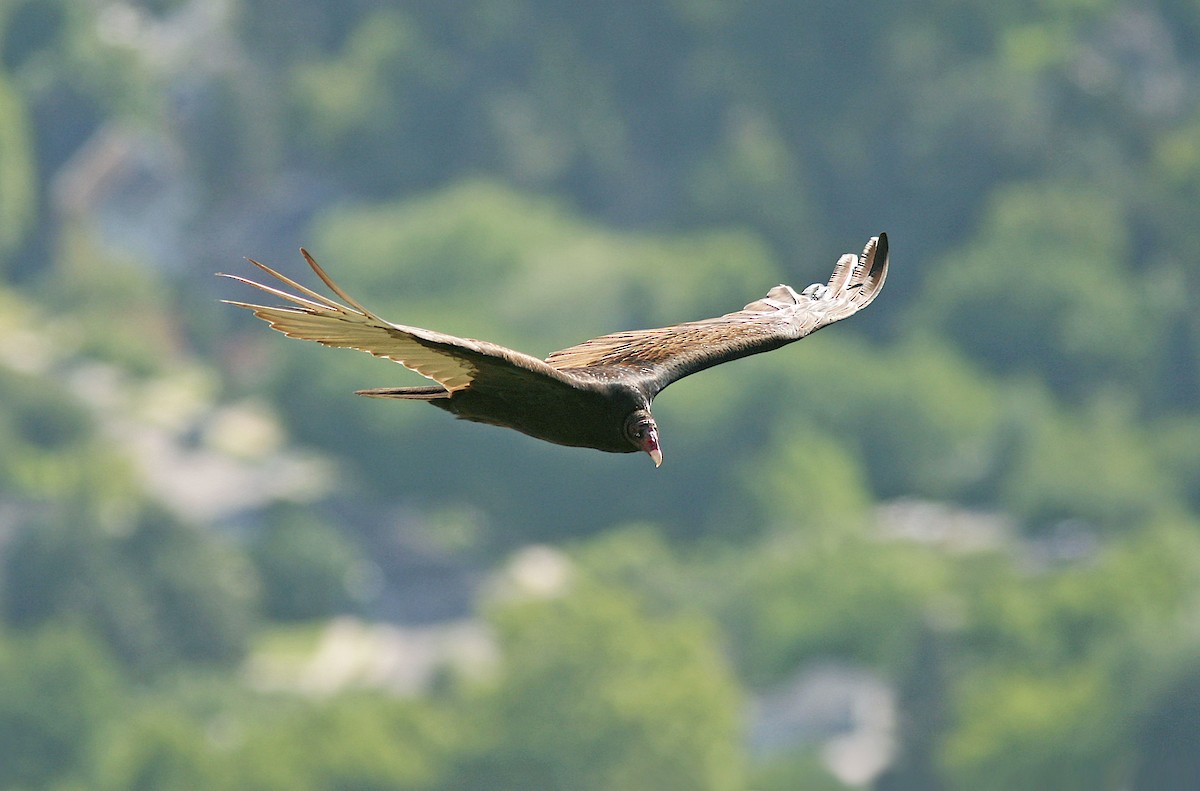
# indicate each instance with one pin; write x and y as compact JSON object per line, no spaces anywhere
{"x":642,"y":432}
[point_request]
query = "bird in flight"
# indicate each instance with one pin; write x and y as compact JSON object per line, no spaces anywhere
{"x":596,"y":394}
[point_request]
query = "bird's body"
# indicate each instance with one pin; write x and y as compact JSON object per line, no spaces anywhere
{"x":596,"y":394}
{"x":590,"y":417}
{"x":583,"y":417}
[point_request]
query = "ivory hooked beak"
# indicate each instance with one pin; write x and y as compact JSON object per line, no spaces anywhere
{"x":650,"y":446}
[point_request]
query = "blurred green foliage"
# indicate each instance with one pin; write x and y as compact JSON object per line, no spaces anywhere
{"x":17,"y":186}
{"x":596,"y":694}
{"x":58,"y":690}
{"x":985,"y":491}
{"x":305,"y":566}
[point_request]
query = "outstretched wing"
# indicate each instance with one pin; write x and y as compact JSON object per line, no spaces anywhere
{"x":658,"y":357}
{"x":454,"y":363}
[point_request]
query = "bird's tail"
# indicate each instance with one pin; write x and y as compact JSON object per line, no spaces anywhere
{"x":426,"y":393}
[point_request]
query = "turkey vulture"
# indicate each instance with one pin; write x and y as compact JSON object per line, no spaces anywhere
{"x":593,"y":395}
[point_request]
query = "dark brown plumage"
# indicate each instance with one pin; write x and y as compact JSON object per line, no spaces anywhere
{"x":594,"y":395}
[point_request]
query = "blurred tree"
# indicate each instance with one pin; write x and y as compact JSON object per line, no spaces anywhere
{"x":351,"y":742}
{"x":1046,"y":289}
{"x":1020,"y":731}
{"x":831,"y":590}
{"x":157,"y":592}
{"x":18,"y":188}
{"x":923,"y":420}
{"x":388,"y":95}
{"x":354,"y":742}
{"x":1168,"y":743}
{"x":57,"y":689}
{"x":806,"y":480}
{"x":1087,"y":466}
{"x":922,"y":702}
{"x":304,"y":565}
{"x":50,"y":439}
{"x":595,"y":695}
{"x":92,"y":287}
{"x":162,"y":750}
{"x":1055,"y":667}
{"x":1177,"y":442}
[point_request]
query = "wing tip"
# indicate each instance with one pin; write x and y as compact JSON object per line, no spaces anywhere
{"x":871,"y":271}
{"x":878,"y":249}
{"x":882,"y":254}
{"x":858,"y":279}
